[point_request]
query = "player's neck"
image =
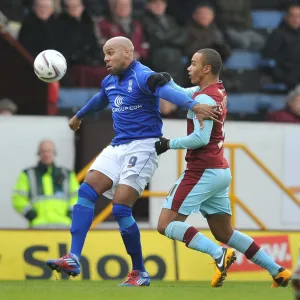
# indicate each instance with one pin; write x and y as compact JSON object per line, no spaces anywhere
{"x":207,"y":82}
{"x":127,"y":64}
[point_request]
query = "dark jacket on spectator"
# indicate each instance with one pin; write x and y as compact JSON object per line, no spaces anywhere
{"x":285,"y":116}
{"x":233,"y":13}
{"x":284,"y":47}
{"x":107,"y":29}
{"x":200,"y":37}
{"x":12,"y":9}
{"x":37,"y":35}
{"x":167,"y":41}
{"x":182,"y":10}
{"x":95,"y":7}
{"x":77,"y":40}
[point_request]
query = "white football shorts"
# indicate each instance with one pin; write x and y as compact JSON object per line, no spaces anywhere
{"x":132,"y":164}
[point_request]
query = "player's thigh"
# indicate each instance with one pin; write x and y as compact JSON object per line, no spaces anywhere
{"x":98,"y":181}
{"x":125,"y":195}
{"x":188,"y":193}
{"x":218,"y":202}
{"x":217,"y":210}
{"x":166,"y":217}
{"x":104,"y":171}
{"x":139,"y":164}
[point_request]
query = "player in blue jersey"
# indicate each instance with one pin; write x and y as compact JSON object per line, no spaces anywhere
{"x":124,"y":168}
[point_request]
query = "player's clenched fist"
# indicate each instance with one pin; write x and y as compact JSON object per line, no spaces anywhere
{"x":74,"y":123}
{"x":162,"y":145}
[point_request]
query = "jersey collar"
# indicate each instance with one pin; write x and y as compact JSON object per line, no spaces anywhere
{"x":127,"y":70}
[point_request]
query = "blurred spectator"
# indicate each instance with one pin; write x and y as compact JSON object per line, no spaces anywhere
{"x":39,"y":29}
{"x":56,"y":4}
{"x":77,"y":39}
{"x":183,"y":12}
{"x":95,"y":7}
{"x":13,"y":10}
{"x":291,"y":112}
{"x":284,"y":47}
{"x":46,"y":193}
{"x":7,"y":107}
{"x":285,"y":4}
{"x":167,"y":40}
{"x":121,"y":23}
{"x":204,"y":33}
{"x":234,"y":19}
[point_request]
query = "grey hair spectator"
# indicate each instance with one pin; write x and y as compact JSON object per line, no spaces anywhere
{"x":7,"y":107}
{"x":291,"y":112}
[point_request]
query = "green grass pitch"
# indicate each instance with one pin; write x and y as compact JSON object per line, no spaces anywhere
{"x":159,"y":290}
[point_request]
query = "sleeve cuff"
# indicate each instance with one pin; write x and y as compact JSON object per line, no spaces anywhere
{"x":191,"y":104}
{"x":79,"y":114}
{"x":171,"y":144}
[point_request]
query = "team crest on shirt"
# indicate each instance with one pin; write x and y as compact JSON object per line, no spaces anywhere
{"x":129,"y":89}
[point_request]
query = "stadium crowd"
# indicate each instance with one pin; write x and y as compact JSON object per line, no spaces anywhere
{"x":164,"y":36}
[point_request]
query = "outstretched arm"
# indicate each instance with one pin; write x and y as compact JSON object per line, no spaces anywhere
{"x":96,"y":103}
{"x":188,"y":91}
{"x":198,"y":138}
{"x":176,"y":96}
{"x":156,"y":84}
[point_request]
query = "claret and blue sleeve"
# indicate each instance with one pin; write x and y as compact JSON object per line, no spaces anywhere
{"x":199,"y":137}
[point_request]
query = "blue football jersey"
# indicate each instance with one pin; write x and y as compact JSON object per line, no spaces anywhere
{"x":135,"y":109}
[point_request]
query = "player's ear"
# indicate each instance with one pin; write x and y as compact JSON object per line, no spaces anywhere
{"x":127,"y":53}
{"x":207,"y":69}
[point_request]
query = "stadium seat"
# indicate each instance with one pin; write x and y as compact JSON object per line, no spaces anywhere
{"x":74,"y":98}
{"x":241,"y":59}
{"x":275,"y":87}
{"x":244,"y":103}
{"x":266,"y":19}
{"x":252,"y":103}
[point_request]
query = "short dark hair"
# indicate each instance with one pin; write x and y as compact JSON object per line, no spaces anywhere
{"x":213,"y":58}
{"x":291,"y":6}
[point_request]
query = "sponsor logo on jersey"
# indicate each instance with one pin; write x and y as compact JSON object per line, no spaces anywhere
{"x":118,"y":101}
{"x":126,"y":108}
{"x":120,"y":105}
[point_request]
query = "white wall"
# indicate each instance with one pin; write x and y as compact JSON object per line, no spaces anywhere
{"x":19,"y":139}
{"x":277,"y":145}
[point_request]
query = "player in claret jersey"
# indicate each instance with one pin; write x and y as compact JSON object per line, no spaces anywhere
{"x":203,"y":186}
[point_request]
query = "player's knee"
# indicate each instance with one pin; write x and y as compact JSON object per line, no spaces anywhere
{"x":120,"y":211}
{"x":87,"y":192}
{"x":98,"y":181}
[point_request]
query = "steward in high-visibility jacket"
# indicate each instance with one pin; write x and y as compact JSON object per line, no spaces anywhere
{"x":45,"y":194}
